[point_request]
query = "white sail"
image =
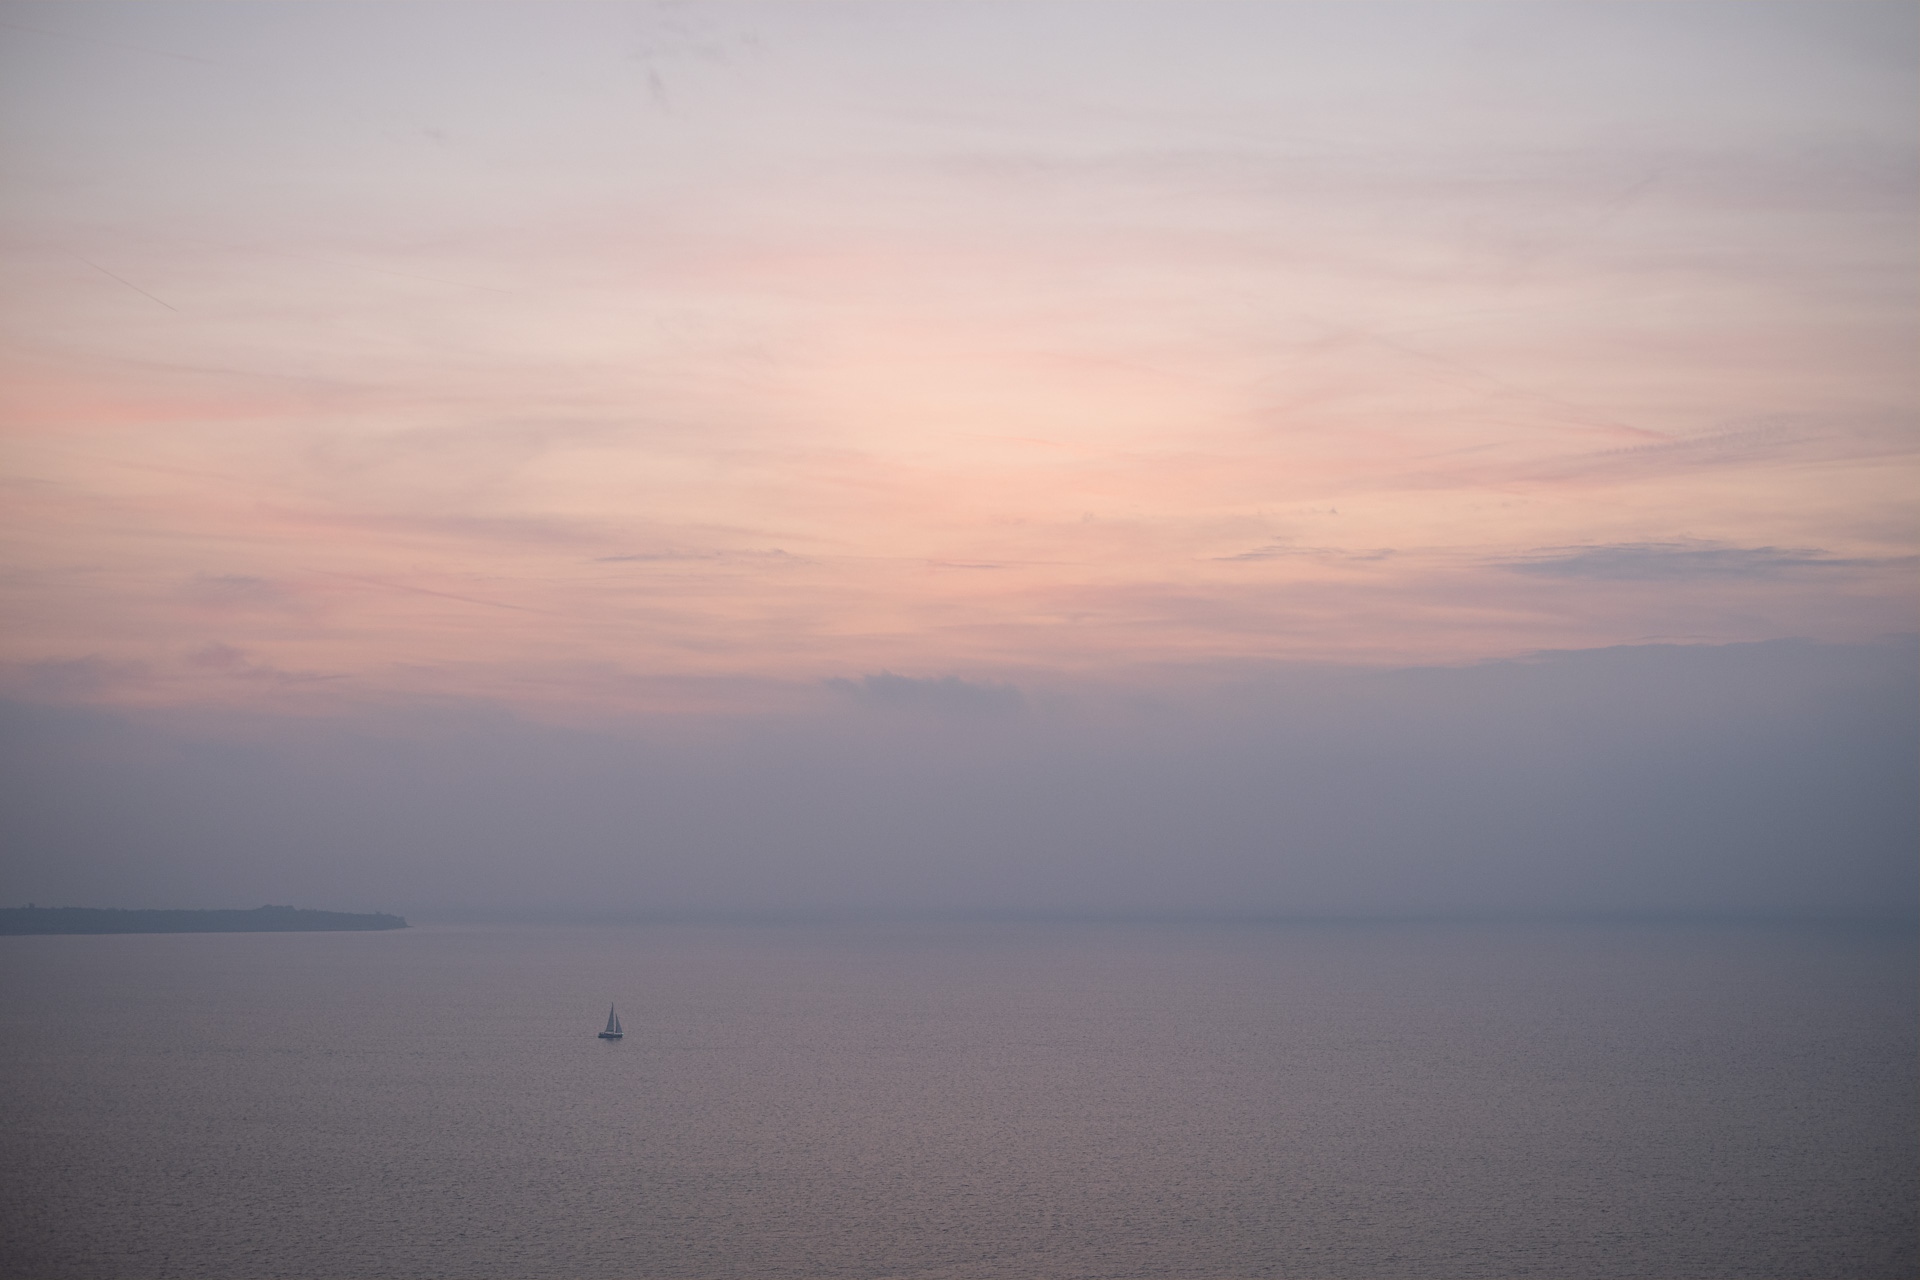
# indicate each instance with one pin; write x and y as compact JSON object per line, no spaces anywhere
{"x":613,"y":1022}
{"x":616,"y":1026}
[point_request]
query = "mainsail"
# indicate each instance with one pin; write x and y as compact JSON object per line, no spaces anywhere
{"x":613,"y":1022}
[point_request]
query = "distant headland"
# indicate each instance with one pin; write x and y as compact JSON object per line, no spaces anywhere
{"x":32,"y":919}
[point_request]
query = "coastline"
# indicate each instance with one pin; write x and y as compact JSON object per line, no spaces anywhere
{"x":267,"y":919}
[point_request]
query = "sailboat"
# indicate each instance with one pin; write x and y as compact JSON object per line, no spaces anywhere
{"x":613,"y":1025}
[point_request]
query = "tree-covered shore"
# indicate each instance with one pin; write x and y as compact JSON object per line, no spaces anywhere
{"x":32,"y":919}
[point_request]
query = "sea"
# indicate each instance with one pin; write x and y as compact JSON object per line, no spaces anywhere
{"x":966,"y":1098}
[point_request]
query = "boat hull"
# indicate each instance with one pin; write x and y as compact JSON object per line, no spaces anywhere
{"x":610,"y":1035}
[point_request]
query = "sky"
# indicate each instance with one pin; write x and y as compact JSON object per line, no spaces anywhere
{"x":692,"y":457}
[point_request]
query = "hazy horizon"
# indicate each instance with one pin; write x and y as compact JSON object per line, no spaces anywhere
{"x":1767,"y":779}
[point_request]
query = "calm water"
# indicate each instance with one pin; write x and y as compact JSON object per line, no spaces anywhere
{"x":964,"y":1100}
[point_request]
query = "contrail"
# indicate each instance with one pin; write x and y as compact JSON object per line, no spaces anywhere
{"x":130,"y":284}
{"x":444,"y":595}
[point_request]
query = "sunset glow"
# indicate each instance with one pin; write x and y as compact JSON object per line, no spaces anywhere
{"x":629,"y":356}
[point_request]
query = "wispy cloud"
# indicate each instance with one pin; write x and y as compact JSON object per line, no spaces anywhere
{"x":939,"y":371}
{"x":238,"y":591}
{"x":1681,"y":561}
{"x":1790,"y":439}
{"x":79,"y":679}
{"x":215,"y":658}
{"x":1285,"y":551}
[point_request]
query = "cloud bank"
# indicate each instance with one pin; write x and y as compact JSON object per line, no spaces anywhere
{"x":1773,"y":778}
